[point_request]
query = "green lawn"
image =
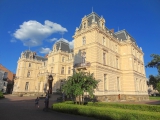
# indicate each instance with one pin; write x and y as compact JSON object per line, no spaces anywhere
{"x":111,"y":111}
{"x":154,"y":98}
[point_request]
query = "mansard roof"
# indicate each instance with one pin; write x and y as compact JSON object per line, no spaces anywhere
{"x":124,"y":35}
{"x":28,"y":52}
{"x":90,"y":17}
{"x":62,"y":45}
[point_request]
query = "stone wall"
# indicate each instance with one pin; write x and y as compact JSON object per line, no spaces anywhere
{"x":121,"y":98}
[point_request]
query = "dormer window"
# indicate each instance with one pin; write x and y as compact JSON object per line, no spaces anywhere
{"x":84,"y":25}
{"x":84,"y":40}
{"x":103,"y":25}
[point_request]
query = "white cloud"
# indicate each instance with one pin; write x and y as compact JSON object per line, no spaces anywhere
{"x":71,"y":43}
{"x":13,"y":40}
{"x":52,"y":40}
{"x":45,"y":50}
{"x":32,"y":33}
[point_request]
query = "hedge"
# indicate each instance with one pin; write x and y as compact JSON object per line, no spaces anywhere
{"x":106,"y":113}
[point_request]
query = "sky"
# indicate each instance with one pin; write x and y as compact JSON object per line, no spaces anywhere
{"x":38,"y":24}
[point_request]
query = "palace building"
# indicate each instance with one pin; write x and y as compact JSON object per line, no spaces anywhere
{"x":113,"y":57}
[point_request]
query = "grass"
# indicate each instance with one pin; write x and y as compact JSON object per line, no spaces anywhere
{"x":154,"y":98}
{"x":107,"y":111}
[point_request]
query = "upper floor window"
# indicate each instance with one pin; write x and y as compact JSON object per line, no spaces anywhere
{"x":117,"y":63}
{"x":63,"y":59}
{"x":52,"y":59}
{"x":51,"y":69}
{"x":69,"y":70}
{"x":83,"y":57}
{"x":104,"y":41}
{"x":104,"y":58}
{"x":116,"y":48}
{"x":62,"y":70}
{"x":29,"y":64}
{"x":84,"y":40}
{"x":28,"y":74}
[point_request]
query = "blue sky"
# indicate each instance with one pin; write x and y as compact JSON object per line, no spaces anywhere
{"x":22,"y":23}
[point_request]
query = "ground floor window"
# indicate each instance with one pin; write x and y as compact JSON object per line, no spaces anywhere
{"x":27,"y":86}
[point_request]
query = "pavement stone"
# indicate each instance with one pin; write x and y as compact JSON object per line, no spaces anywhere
{"x":23,"y":108}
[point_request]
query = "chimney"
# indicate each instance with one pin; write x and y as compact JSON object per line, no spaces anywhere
{"x":46,"y":56}
{"x":112,"y":30}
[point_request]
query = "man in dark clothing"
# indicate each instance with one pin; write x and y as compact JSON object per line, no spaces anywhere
{"x":46,"y":102}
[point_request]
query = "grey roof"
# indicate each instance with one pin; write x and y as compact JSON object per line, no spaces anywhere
{"x":40,"y":58}
{"x":124,"y":35}
{"x":62,"y":45}
{"x":90,"y":17}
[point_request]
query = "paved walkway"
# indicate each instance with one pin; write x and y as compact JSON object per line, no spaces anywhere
{"x":22,"y":108}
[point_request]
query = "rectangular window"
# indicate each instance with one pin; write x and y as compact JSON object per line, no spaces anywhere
{"x":63,"y":59}
{"x":52,"y":59}
{"x":28,"y":74}
{"x":69,"y":70}
{"x":104,"y":58}
{"x":29,"y":64}
{"x":116,"y":48}
{"x":51,"y":69}
{"x":104,"y":41}
{"x":105,"y":81}
{"x":118,"y":87}
{"x":27,"y":86}
{"x":117,"y":63}
{"x":84,"y":40}
{"x":62,"y":70}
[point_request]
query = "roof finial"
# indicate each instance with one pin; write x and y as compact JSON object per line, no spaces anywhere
{"x":92,"y":9}
{"x":62,"y":34}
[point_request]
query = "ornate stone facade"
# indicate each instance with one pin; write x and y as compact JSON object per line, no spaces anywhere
{"x":114,"y":58}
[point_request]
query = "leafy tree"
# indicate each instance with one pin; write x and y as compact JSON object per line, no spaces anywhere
{"x":158,"y":87}
{"x":153,"y":80}
{"x":79,"y":83}
{"x":155,"y":62}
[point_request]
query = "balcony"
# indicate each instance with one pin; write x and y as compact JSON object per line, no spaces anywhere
{"x":82,"y":65}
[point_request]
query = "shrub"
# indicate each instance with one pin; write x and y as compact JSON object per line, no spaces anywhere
{"x":1,"y":95}
{"x":105,"y":113}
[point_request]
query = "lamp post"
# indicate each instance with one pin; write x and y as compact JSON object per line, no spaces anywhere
{"x":50,"y":80}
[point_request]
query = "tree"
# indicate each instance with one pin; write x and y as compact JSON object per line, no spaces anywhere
{"x":79,"y":83}
{"x":155,"y":62}
{"x":158,"y":87}
{"x":153,"y":80}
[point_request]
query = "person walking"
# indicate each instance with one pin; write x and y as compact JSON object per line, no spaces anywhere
{"x":37,"y":102}
{"x":46,"y":102}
